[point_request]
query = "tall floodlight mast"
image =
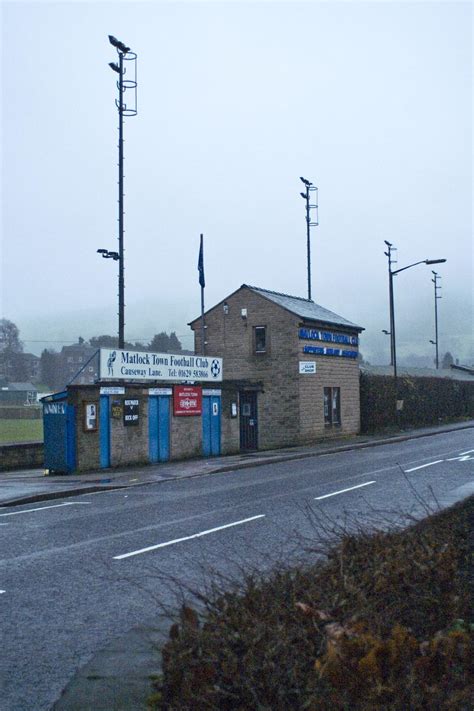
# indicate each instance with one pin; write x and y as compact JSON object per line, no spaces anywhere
{"x":127,"y":62}
{"x":310,"y":189}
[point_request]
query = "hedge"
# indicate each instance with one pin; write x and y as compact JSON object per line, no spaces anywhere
{"x":426,"y":401}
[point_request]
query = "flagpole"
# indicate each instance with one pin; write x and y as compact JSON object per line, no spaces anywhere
{"x":202,"y":283}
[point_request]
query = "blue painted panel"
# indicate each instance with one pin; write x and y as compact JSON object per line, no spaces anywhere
{"x":71,"y":438}
{"x":206,"y":426}
{"x":104,"y":432}
{"x":215,"y":425}
{"x":211,"y":426}
{"x":164,"y":428}
{"x":153,"y":429}
{"x":159,"y":428}
{"x":55,"y":439}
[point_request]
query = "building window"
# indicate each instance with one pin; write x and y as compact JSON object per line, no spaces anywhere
{"x":332,"y":406}
{"x":260,"y":339}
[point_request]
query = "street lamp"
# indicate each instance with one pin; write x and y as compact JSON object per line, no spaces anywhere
{"x":387,"y":333}
{"x":436,"y":297}
{"x":306,"y":196}
{"x":123,"y":84}
{"x":108,"y":255}
{"x":393,"y":273}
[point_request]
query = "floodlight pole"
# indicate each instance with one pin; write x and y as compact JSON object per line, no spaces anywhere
{"x":124,"y":54}
{"x":121,"y":279}
{"x":306,"y":196}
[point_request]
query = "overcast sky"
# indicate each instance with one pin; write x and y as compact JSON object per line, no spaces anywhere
{"x":372,"y":101}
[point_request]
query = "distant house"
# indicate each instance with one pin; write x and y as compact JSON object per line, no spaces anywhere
{"x":18,"y":394}
{"x":78,"y":365}
{"x":30,"y":365}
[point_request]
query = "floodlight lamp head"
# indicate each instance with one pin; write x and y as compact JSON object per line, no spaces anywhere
{"x":434,"y":261}
{"x":304,"y":196}
{"x":118,"y":45}
{"x":306,"y":182}
{"x":102,"y":251}
{"x":115,"y":67}
{"x":389,"y":244}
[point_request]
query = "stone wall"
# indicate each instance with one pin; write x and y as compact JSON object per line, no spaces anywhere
{"x":21,"y":456}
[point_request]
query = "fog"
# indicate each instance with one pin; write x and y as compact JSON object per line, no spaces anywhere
{"x":371,"y":101}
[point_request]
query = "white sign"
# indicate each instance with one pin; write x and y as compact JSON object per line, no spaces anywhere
{"x":112,"y":391}
{"x":307,"y":366}
{"x":118,"y":364}
{"x":160,"y":391}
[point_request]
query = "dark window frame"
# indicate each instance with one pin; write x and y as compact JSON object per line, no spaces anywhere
{"x":332,"y":406}
{"x":257,"y":350}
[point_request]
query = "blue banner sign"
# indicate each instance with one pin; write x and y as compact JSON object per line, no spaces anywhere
{"x":321,"y":350}
{"x":313,"y":335}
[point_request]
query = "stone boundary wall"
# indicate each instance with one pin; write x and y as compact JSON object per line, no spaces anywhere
{"x":27,"y":455}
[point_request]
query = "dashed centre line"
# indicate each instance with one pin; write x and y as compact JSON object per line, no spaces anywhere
{"x":43,"y":508}
{"x":343,"y":491}
{"x":422,"y":466}
{"x":187,"y":538}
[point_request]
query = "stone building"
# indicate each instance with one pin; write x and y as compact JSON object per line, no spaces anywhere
{"x":293,"y":363}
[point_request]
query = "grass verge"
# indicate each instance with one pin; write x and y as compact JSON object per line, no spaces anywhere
{"x":384,"y":622}
{"x":17,"y":431}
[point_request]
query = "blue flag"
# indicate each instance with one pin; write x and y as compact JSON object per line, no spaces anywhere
{"x":202,"y":281}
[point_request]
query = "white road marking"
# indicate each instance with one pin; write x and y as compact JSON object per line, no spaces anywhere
{"x":461,"y":458}
{"x":187,"y":538}
{"x":2,"y":591}
{"x":43,"y":508}
{"x":469,"y":451}
{"x":343,"y":491}
{"x":422,"y":466}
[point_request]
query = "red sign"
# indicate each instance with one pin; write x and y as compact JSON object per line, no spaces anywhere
{"x":187,"y":400}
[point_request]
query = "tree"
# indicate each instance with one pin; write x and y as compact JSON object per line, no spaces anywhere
{"x":12,"y":366}
{"x":162,"y":343}
{"x":175,"y":343}
{"x":50,"y":369}
{"x":447,"y":361}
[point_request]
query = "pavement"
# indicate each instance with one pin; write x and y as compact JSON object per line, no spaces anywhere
{"x":119,"y":677}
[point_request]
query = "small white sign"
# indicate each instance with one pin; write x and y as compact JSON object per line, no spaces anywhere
{"x":307,"y":366}
{"x":160,"y":391}
{"x":210,"y":393}
{"x":112,"y":391}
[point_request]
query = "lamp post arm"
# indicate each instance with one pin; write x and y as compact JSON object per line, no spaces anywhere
{"x":397,"y":271}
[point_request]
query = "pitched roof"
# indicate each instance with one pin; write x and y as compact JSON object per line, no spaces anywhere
{"x":304,"y":308}
{"x":21,"y":387}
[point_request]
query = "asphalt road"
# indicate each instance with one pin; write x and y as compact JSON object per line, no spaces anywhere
{"x":75,"y":573}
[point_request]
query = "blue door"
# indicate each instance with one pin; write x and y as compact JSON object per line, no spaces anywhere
{"x":159,"y":428}
{"x":59,"y":423}
{"x":211,"y":425}
{"x":104,"y":432}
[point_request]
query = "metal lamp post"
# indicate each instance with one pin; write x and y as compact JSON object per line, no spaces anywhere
{"x":123,"y":84}
{"x":310,"y":188}
{"x":393,"y":273}
{"x":436,"y":297}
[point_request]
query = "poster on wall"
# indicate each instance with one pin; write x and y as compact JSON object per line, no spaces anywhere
{"x":187,"y":400}
{"x":130,"y":412}
{"x":90,"y":417}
